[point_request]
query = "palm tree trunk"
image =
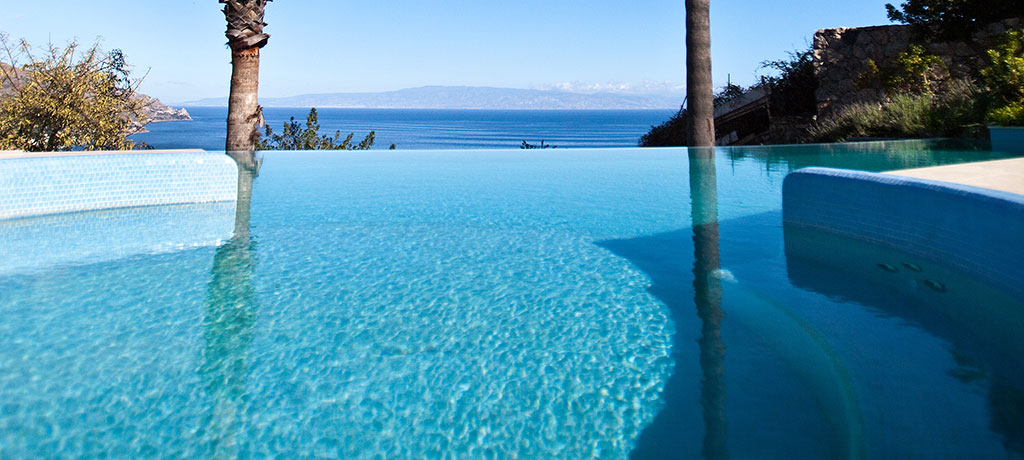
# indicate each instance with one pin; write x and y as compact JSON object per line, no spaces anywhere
{"x":245,"y":37}
{"x":699,"y":92}
{"x":245,"y":116}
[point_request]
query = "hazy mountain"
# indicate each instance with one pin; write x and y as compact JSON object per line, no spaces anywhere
{"x":466,"y":97}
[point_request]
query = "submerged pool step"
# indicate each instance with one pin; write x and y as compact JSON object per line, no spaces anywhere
{"x":975,"y":229}
{"x":52,"y":183}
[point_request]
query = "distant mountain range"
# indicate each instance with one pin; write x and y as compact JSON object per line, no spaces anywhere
{"x":465,"y":97}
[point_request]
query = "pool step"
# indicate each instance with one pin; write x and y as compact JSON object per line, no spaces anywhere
{"x":979,"y":230}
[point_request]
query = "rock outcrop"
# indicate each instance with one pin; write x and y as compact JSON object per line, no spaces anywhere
{"x":157,"y":111}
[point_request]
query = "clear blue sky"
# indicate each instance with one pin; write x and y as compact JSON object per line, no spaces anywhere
{"x":347,"y":46}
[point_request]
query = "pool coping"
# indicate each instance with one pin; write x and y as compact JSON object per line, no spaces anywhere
{"x":1006,"y":175}
{"x":19,"y":154}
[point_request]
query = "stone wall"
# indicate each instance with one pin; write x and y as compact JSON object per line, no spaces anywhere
{"x":841,"y":55}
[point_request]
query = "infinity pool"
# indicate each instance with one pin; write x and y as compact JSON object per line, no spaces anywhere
{"x":623,"y":303}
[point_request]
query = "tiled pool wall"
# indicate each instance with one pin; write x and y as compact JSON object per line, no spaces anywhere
{"x":41,"y":243}
{"x":1007,"y":138}
{"x":32,"y":185}
{"x":975,"y":229}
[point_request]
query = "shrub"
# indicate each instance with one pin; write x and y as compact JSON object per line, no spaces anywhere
{"x":1010,"y":115}
{"x":914,"y":71}
{"x":793,"y":89}
{"x":955,"y":111}
{"x":68,"y":99}
{"x":1005,"y":79}
{"x":671,"y":133}
{"x":792,"y":94}
{"x":958,"y":110}
{"x":905,"y":115}
{"x":947,"y":19}
{"x":295,"y":137}
{"x":727,"y":94}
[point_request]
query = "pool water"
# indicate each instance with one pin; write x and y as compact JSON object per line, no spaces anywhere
{"x":619,"y":303}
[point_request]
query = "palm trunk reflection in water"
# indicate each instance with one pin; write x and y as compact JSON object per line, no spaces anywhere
{"x":227,"y":327}
{"x":708,"y":297}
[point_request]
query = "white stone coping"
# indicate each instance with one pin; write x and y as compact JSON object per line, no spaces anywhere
{"x":16,"y":154}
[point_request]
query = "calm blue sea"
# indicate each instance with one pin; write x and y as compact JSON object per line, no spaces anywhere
{"x":430,"y":129}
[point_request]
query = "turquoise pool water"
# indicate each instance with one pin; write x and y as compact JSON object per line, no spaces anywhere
{"x":622,"y":303}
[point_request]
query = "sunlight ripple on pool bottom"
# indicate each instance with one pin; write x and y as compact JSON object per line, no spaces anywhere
{"x":373,"y":341}
{"x":530,"y":304}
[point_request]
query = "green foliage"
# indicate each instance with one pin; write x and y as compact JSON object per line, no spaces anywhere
{"x":1005,"y":80}
{"x":1010,"y":115}
{"x":908,"y":114}
{"x":914,"y":71}
{"x":69,"y":99}
{"x":904,"y":116}
{"x":295,"y":137}
{"x":792,"y":94}
{"x":954,"y":112}
{"x":949,"y":19}
{"x":793,"y":89}
{"x":873,"y":77}
{"x":728,"y":94}
{"x":671,"y":133}
{"x":958,"y":110}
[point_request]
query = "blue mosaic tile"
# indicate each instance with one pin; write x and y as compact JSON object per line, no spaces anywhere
{"x":52,"y":185}
{"x":971,"y":228}
{"x":63,"y":240}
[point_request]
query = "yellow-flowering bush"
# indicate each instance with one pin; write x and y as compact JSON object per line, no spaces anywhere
{"x":70,"y":99}
{"x":1005,"y":80}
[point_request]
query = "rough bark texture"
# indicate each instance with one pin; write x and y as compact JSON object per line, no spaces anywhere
{"x":245,"y":117}
{"x":245,"y":37}
{"x":700,"y":129}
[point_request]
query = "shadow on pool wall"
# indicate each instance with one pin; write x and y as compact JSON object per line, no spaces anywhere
{"x":981,"y":321}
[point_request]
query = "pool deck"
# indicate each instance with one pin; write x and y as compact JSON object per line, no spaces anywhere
{"x":1002,"y":175}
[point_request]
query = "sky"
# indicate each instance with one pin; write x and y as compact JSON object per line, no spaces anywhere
{"x":323,"y":46}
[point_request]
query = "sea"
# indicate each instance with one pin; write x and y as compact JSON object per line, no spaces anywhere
{"x":428,"y":128}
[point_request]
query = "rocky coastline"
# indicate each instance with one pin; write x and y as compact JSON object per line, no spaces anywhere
{"x":157,"y":111}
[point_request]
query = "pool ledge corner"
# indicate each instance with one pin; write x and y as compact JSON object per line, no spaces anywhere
{"x":977,"y":229}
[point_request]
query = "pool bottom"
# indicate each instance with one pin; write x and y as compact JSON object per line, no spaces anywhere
{"x":370,"y":341}
{"x":446,"y":304}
